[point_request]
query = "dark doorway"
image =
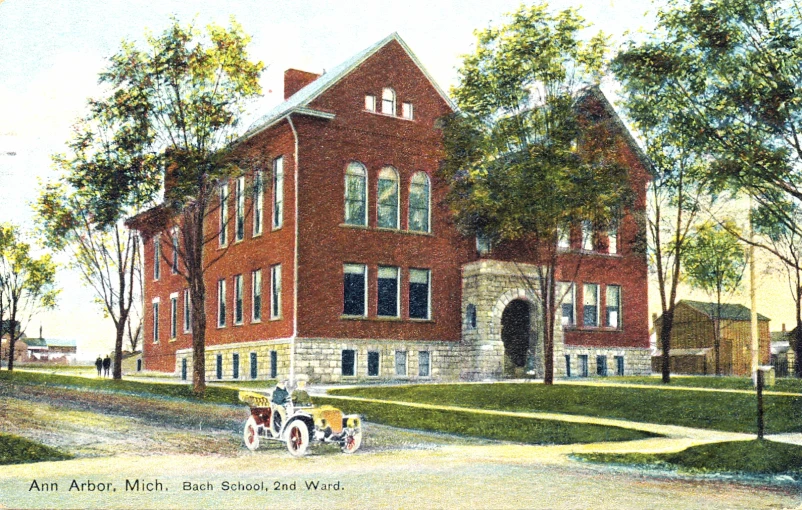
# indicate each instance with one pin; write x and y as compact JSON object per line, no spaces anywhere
{"x":515,"y":333}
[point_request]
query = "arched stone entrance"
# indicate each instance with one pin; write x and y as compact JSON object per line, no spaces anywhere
{"x":516,"y":335}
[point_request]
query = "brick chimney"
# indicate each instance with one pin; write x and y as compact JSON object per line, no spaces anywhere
{"x":784,"y":327}
{"x":295,"y":80}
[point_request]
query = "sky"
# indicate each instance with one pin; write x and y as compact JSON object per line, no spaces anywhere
{"x":52,"y":51}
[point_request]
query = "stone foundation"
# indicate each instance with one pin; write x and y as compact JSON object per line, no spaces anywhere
{"x":636,"y":361}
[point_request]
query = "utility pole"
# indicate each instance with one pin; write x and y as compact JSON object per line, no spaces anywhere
{"x":753,"y":297}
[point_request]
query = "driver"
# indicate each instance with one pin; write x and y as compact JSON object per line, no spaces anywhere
{"x":278,"y":401}
{"x":280,"y":394}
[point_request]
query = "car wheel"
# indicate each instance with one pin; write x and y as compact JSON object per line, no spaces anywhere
{"x":277,"y":420}
{"x":297,"y":438}
{"x":251,"y":434}
{"x":352,"y":441}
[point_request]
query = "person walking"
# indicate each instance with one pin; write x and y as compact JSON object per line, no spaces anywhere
{"x":98,"y":365}
{"x":106,"y":365}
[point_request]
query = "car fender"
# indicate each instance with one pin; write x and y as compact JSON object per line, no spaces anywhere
{"x":304,"y":417}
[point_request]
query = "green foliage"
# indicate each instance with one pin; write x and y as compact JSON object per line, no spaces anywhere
{"x":732,"y":412}
{"x":504,"y":428}
{"x":715,"y":260}
{"x":522,"y":158}
{"x":18,"y":450}
{"x":214,"y":394}
{"x":28,"y":282}
{"x":744,"y":457}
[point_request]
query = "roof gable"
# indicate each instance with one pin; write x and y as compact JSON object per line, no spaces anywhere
{"x":300,"y":101}
{"x":728,"y":311}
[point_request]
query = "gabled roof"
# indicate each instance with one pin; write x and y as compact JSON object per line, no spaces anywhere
{"x":595,"y":92}
{"x":299,"y":102}
{"x":35,"y":342}
{"x":728,"y":311}
{"x":60,"y":342}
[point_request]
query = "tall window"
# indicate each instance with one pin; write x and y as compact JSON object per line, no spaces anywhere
{"x":591,"y":305}
{"x":348,"y":362}
{"x":156,"y":321}
{"x":256,"y":297}
{"x":157,"y":258}
{"x":223,"y":215}
{"x":388,"y":292}
{"x":419,"y":293}
{"x":565,"y":290}
{"x":275,"y":291}
{"x":424,"y":364}
{"x":407,"y":110}
{"x":173,"y":315}
{"x":187,"y":312}
{"x":278,"y":192}
{"x":388,"y":198}
{"x":470,"y":316}
{"x":388,"y":101}
{"x":373,"y":364}
{"x":370,"y":102}
{"x":258,"y":201}
{"x":221,"y":303}
{"x":235,"y":365}
{"x":238,"y":312}
{"x":219,"y":371}
{"x":174,"y":267}
{"x":419,"y":203}
{"x":240,"y":201}
{"x":587,"y":236}
{"x":613,"y":306}
{"x":355,"y":194}
{"x":354,"y":287}
{"x":254,"y":366}
{"x":612,"y":240}
{"x":563,"y":238}
{"x":601,"y":365}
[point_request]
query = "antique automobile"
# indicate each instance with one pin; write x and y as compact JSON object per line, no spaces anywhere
{"x":298,"y":422}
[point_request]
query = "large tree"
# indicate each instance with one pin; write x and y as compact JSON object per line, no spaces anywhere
{"x":176,"y":105}
{"x":731,"y":69}
{"x":524,"y":158}
{"x":715,"y":263}
{"x":28,"y":283}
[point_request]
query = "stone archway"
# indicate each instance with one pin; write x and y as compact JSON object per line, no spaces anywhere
{"x":516,"y":335}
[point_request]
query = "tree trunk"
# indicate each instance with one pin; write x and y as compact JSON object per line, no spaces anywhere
{"x":194,"y":245}
{"x":798,"y":346}
{"x":118,"y":346}
{"x":12,"y":336}
{"x":665,"y":342}
{"x":717,"y":335}
{"x":549,"y":312}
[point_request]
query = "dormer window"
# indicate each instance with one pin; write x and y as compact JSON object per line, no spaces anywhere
{"x":407,"y":110}
{"x":388,"y":101}
{"x":370,"y":103}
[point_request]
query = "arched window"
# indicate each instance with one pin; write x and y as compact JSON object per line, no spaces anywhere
{"x":388,"y":101}
{"x":356,"y":178}
{"x":419,"y":203}
{"x":388,"y":198}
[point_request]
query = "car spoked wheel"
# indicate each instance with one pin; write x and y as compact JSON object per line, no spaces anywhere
{"x":251,"y":434}
{"x":297,"y":438}
{"x":353,"y":440}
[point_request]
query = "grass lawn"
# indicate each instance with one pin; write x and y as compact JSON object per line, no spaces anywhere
{"x":744,"y":457}
{"x":733,"y":412}
{"x":786,"y":384}
{"x":214,"y":394}
{"x":18,"y":450}
{"x":522,"y":430}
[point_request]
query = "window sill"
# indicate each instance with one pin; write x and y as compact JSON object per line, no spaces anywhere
{"x":276,"y":318}
{"x":238,"y":324}
{"x":221,"y":327}
{"x":354,"y":317}
{"x":385,"y":229}
{"x":389,"y":115}
{"x":171,"y":340}
{"x":238,"y":241}
{"x":276,"y":228}
{"x":255,"y":235}
{"x":593,"y":329}
{"x":388,"y":318}
{"x":256,"y":321}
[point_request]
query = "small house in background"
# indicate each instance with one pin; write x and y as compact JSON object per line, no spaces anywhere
{"x":132,"y":362}
{"x":60,"y":349}
{"x":692,"y":339}
{"x":782,"y":351}
{"x":37,"y":349}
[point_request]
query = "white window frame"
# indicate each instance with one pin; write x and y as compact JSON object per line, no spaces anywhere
{"x":607,"y":306}
{"x":239,"y":212}
{"x":355,"y":169}
{"x":563,"y":238}
{"x":187,"y":312}
{"x":174,"y":236}
{"x":388,"y":101}
{"x":406,"y":363}
{"x":428,"y":297}
{"x":429,"y":366}
{"x":570,"y":294}
{"x":397,"y":290}
{"x":587,"y":236}
{"x":157,"y":258}
{"x":258,"y":202}
{"x":278,"y":192}
{"x":612,"y":240}
{"x":427,"y":186}
{"x":275,"y":291}
{"x":155,"y":314}
{"x":390,"y":174}
{"x":223,"y":224}
{"x":407,"y":111}
{"x":364,"y":268}
{"x":256,"y":291}
{"x":221,"y":303}
{"x":173,"y":315}
{"x":370,"y":103}
{"x":239,"y":300}
{"x":585,"y":288}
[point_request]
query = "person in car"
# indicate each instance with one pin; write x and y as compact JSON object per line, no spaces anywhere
{"x":280,"y":394}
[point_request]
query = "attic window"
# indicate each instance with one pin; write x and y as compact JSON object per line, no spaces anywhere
{"x":388,"y":101}
{"x":370,"y":103}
